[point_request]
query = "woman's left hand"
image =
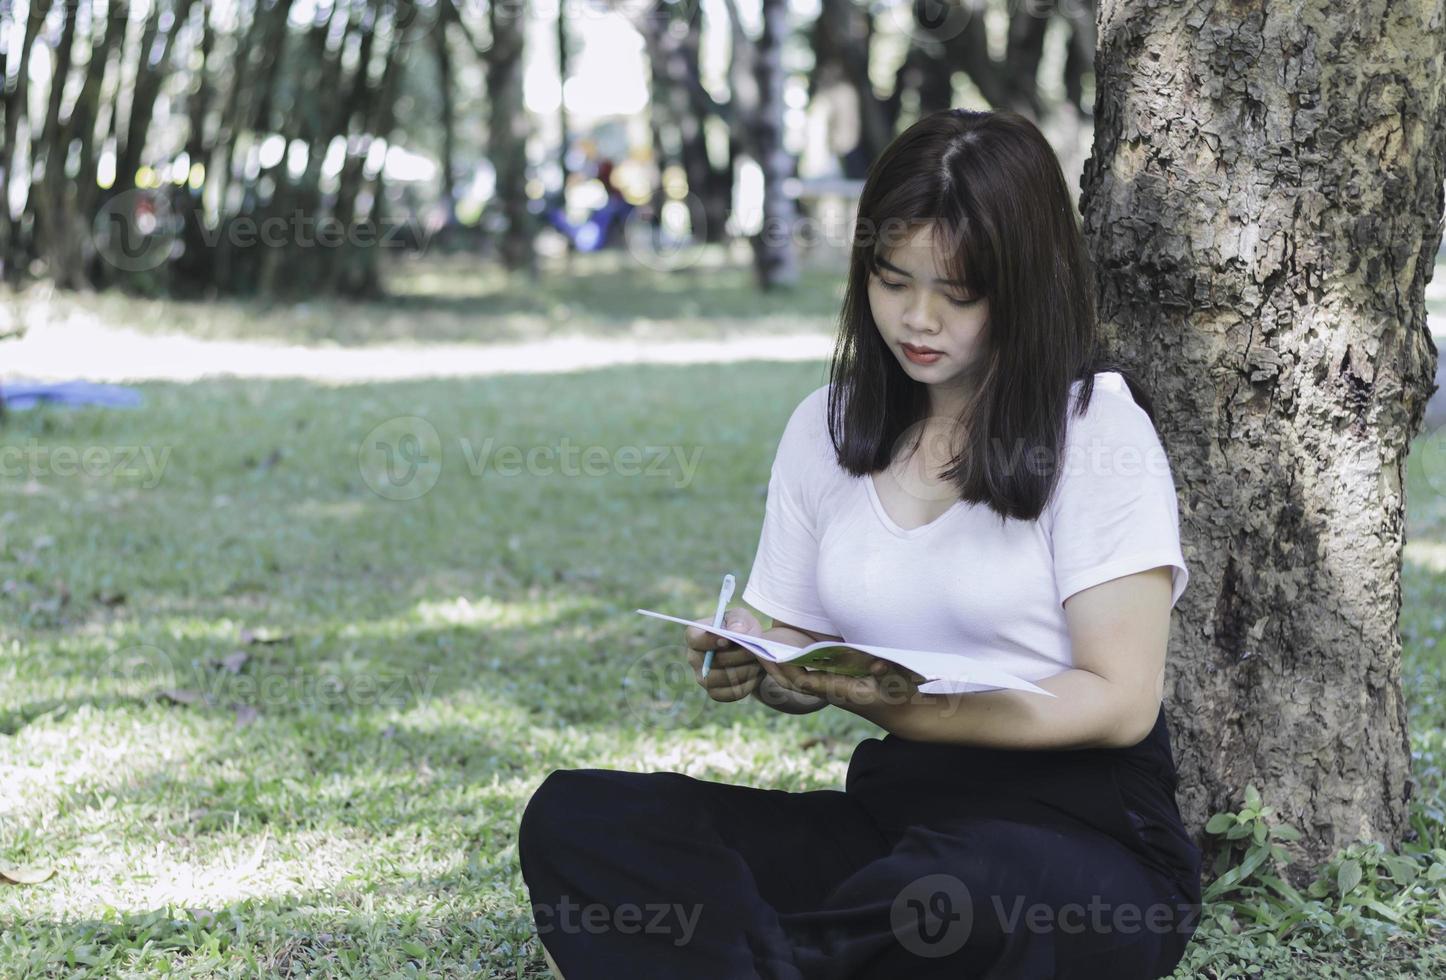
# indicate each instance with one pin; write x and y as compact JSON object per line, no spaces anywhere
{"x":885,"y":683}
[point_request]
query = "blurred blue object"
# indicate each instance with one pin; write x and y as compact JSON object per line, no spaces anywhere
{"x":20,"y":395}
{"x":596,"y":230}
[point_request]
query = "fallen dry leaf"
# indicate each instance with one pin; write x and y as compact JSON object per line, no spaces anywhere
{"x":233,"y":662}
{"x":263,"y":636}
{"x":183,"y":695}
{"x":246,"y":714}
{"x":25,"y":876}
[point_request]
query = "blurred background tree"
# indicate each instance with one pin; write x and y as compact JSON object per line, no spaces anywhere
{"x":287,"y":147}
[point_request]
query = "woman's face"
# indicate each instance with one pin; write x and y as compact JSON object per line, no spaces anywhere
{"x":913,"y":308}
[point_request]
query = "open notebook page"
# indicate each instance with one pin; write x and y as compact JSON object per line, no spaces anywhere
{"x":946,"y":673}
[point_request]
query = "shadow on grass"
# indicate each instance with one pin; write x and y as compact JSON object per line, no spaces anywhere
{"x":505,"y":601}
{"x":285,"y":936}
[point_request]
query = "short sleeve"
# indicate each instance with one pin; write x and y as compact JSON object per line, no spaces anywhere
{"x":783,"y":582}
{"x":1114,"y":511}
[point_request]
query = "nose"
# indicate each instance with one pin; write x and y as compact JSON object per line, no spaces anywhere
{"x":920,"y":314}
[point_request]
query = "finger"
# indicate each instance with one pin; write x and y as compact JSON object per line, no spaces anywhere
{"x":726,"y":677}
{"x":793,"y":678}
{"x":779,"y":674}
{"x":707,"y":641}
{"x":794,"y":675}
{"x":740,"y":620}
{"x":698,"y":638}
{"x":722,"y":658}
{"x":733,"y":693}
{"x":818,"y":682}
{"x":733,"y":657}
{"x":831,"y":686}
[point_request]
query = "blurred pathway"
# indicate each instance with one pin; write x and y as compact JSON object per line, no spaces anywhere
{"x":95,"y":352}
{"x":88,"y":349}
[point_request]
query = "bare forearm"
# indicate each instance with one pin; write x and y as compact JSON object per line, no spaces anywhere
{"x":1088,"y":711}
{"x":780,"y":698}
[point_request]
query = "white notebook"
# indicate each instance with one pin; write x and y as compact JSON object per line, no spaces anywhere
{"x":944,"y":673}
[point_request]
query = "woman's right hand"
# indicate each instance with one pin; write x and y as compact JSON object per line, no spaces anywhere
{"x":734,"y":672}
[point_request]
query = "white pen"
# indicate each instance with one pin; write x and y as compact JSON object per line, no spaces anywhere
{"x":724,"y":595}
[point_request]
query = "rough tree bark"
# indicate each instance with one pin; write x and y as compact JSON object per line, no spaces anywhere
{"x":1263,"y":206}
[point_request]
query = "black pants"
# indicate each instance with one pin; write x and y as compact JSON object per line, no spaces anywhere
{"x":934,"y":861}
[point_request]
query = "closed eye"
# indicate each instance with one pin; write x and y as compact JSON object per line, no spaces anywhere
{"x":894,"y":287}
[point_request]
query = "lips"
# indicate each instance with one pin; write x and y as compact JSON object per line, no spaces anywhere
{"x":922,"y":350}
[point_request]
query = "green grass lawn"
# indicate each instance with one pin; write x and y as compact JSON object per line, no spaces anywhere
{"x":263,"y":718}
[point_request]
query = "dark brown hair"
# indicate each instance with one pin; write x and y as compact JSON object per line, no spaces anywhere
{"x":1004,"y":225}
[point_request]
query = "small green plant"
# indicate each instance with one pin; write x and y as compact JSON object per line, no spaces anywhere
{"x":1363,"y":892}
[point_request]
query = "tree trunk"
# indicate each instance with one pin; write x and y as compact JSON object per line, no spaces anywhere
{"x":1263,"y":206}
{"x":447,"y":115}
{"x":774,"y":255}
{"x":1023,"y":53}
{"x":681,"y":106}
{"x":507,"y":131}
{"x":192,"y":271}
{"x":13,"y":254}
{"x":236,"y":263}
{"x":76,"y":264}
{"x":842,"y":37}
{"x":1080,"y":54}
{"x":48,"y":189}
{"x":288,"y":263}
{"x":150,"y":74}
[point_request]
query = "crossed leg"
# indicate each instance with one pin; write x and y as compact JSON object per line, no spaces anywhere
{"x":663,"y":875}
{"x":994,"y":898}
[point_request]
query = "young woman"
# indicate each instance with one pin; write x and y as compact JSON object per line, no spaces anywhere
{"x":972,"y":479}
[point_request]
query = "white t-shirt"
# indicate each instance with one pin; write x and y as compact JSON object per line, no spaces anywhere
{"x":830,"y":560}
